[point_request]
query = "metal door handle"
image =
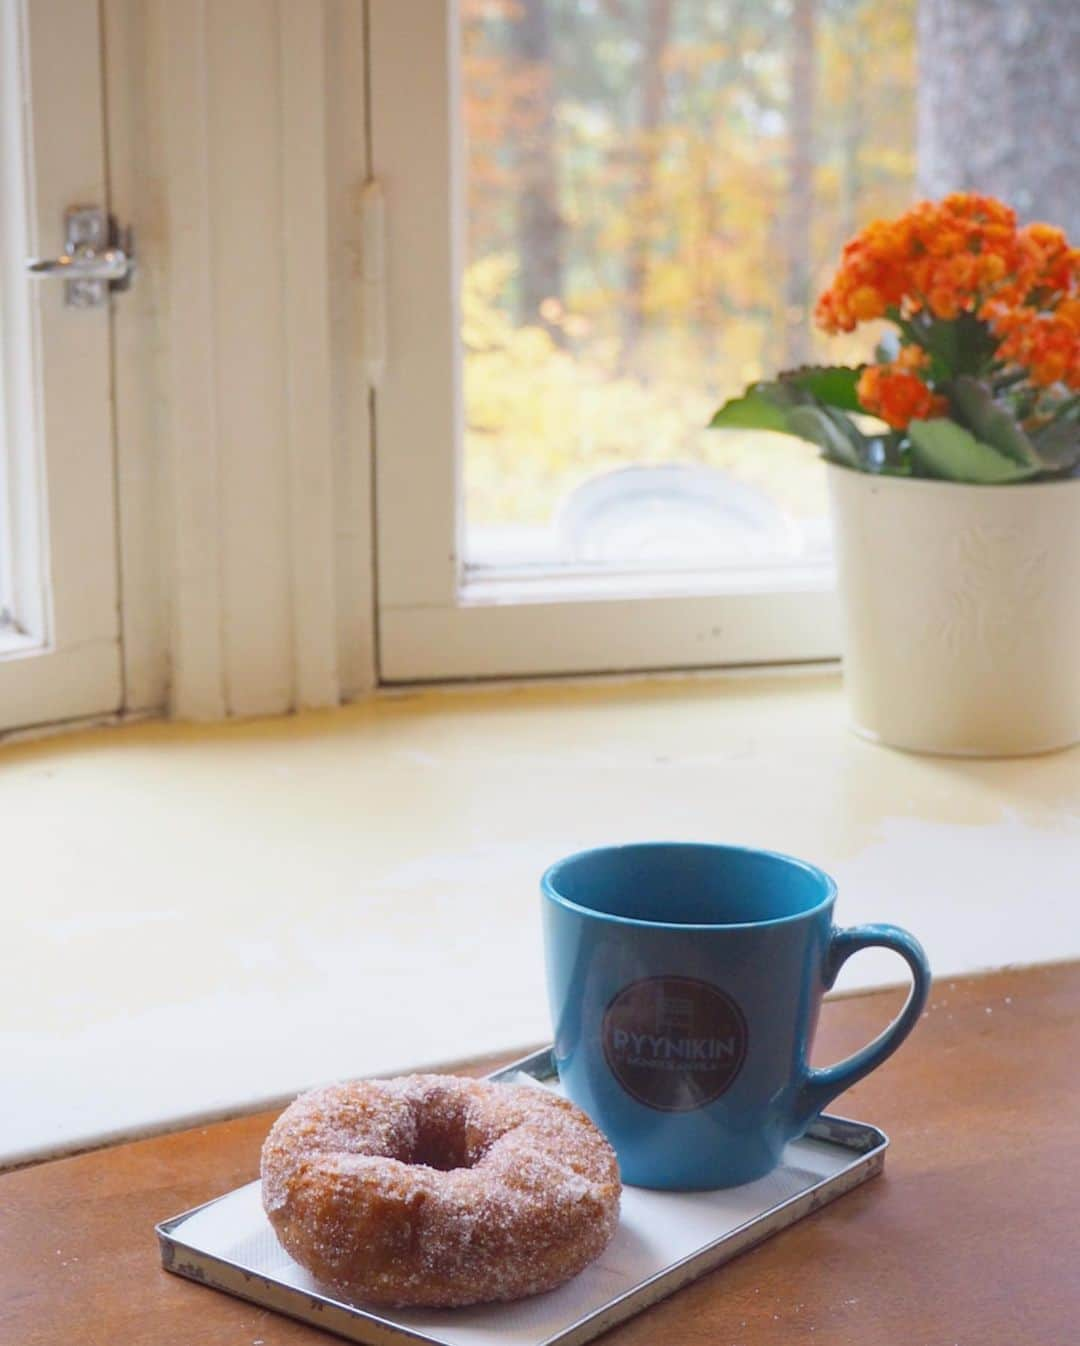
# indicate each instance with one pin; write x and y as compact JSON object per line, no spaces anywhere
{"x":97,"y":258}
{"x":86,"y":264}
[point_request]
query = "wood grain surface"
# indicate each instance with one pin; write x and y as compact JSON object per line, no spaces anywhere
{"x":971,"y":1238}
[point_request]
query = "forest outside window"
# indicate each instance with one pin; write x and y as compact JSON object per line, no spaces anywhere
{"x":655,"y":192}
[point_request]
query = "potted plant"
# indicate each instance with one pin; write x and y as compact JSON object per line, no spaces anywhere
{"x":956,"y":510}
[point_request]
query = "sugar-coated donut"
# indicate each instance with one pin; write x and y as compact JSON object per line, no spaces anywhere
{"x":437,"y":1190}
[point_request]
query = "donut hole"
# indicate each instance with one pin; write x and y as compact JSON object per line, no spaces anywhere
{"x":442,"y":1153}
{"x":443,"y":1143}
{"x":446,"y":1137}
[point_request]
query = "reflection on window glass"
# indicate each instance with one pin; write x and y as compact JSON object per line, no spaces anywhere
{"x":656,"y":191}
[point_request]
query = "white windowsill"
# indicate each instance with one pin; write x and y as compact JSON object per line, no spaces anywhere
{"x":540,"y":584}
{"x":210,"y":917}
{"x":16,"y":644}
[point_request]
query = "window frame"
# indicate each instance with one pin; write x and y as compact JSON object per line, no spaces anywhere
{"x":432,"y":622}
{"x":62,"y":660}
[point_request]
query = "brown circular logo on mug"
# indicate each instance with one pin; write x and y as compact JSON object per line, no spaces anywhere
{"x":674,"y":1043}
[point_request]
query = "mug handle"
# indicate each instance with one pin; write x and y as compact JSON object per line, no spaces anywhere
{"x":820,"y":1087}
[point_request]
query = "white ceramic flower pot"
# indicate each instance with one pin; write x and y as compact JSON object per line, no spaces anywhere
{"x":961,"y":611}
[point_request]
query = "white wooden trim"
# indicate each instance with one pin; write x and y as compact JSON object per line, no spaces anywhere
{"x":133,"y":50}
{"x":239,"y":158}
{"x":65,"y":442}
{"x":61,"y":683}
{"x":247,"y":259}
{"x":429,"y":627}
{"x":348,"y":168}
{"x":302,"y":43}
{"x":606,"y":635}
{"x":75,"y":407}
{"x":416,"y":152}
{"x":198,"y":680}
{"x":23,"y":562}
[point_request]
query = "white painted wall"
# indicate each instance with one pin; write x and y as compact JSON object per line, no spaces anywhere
{"x":238,"y":154}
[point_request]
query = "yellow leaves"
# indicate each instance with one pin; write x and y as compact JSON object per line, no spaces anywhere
{"x":484,"y":325}
{"x":670,"y":287}
{"x":541,"y":419}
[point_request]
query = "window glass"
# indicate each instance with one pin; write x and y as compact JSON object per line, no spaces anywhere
{"x":656,"y":191}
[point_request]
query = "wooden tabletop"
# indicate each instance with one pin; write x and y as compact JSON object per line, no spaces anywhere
{"x":972,"y":1236}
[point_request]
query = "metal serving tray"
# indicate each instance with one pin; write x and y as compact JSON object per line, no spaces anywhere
{"x":664,"y":1241}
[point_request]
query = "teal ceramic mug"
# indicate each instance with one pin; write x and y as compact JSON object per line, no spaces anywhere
{"x":685,"y":983}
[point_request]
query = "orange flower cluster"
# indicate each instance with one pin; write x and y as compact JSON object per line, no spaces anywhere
{"x":1047,"y":345}
{"x":1040,"y":319}
{"x":1048,"y":266}
{"x":897,"y":396}
{"x":964,"y":254}
{"x":945,"y":256}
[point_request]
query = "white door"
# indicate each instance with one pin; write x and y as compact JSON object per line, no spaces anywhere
{"x":59,"y":620}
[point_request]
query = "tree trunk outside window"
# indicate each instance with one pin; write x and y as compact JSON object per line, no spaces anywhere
{"x":539,"y":224}
{"x":644,"y":206}
{"x":800,"y":188}
{"x":999,"y":103}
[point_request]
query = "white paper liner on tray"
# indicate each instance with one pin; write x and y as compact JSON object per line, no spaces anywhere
{"x":656,"y":1231}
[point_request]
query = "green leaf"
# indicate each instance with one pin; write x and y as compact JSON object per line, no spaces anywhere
{"x":960,"y":345}
{"x":941,"y":448}
{"x":834,"y":435}
{"x":832,"y":384}
{"x":789,"y":409}
{"x":990,"y":422}
{"x":762,"y":407}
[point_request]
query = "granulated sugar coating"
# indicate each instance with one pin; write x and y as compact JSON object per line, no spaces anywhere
{"x":435,"y":1190}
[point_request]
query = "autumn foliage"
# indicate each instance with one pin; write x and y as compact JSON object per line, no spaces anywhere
{"x":639,"y":244}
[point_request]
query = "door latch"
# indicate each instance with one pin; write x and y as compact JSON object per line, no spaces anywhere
{"x":97,"y":258}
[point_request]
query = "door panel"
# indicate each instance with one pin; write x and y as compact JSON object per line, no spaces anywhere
{"x":60,"y":650}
